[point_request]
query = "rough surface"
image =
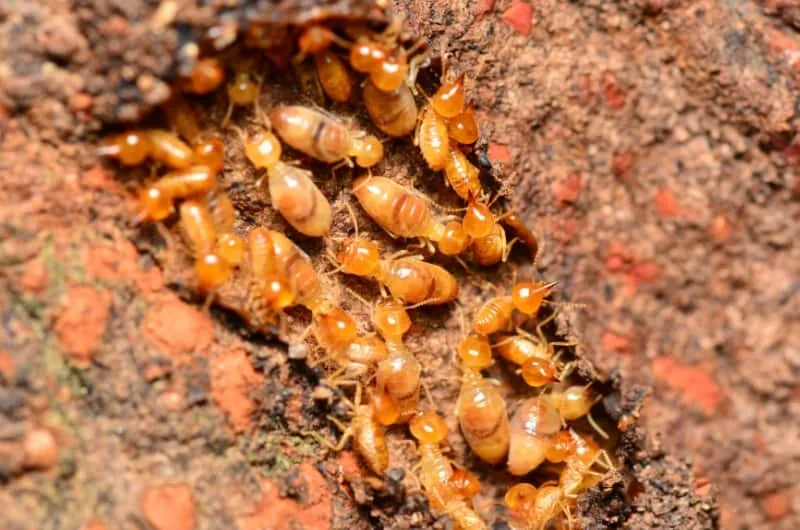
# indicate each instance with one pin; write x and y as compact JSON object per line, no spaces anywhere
{"x":652,"y":145}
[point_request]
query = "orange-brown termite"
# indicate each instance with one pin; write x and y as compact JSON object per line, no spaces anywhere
{"x":448,"y":101}
{"x":207,"y":75}
{"x":156,"y":202}
{"x":410,"y":280}
{"x":272,"y":285}
{"x":167,"y":148}
{"x":523,"y":233}
{"x":242,"y":91}
{"x":133,"y":147}
{"x":534,"y":354}
{"x":494,"y":315}
{"x":333,"y":76}
{"x":368,"y":434}
{"x":463,"y":128}
{"x":461,"y":175}
{"x":197,"y":226}
{"x":394,"y":113}
{"x":533,"y":427}
{"x":399,"y":374}
{"x":293,"y":192}
{"x":323,"y":137}
{"x":433,"y":140}
{"x":530,"y":508}
{"x":404,"y":213}
{"x":480,"y":408}
{"x":581,"y":455}
{"x":295,"y":265}
{"x":436,"y":472}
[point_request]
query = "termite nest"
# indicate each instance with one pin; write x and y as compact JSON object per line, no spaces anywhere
{"x":551,"y":446}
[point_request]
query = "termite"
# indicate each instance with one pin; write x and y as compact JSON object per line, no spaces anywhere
{"x":480,"y":408}
{"x":399,"y":374}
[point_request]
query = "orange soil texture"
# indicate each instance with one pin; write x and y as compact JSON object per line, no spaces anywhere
{"x":651,"y":143}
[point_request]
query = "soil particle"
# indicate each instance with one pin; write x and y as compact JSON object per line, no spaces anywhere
{"x":40,"y":449}
{"x":695,"y":383}
{"x":169,"y":507}
{"x":35,"y":277}
{"x":233,"y":383}
{"x":111,"y":263}
{"x":275,"y":512}
{"x":95,"y":524}
{"x":6,"y":365}
{"x":519,"y":16}
{"x":776,"y":505}
{"x":82,"y":322}
{"x":176,"y":328}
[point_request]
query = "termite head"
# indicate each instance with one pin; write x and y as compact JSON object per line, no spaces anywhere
{"x":520,"y":498}
{"x":154,"y":205}
{"x":428,"y":427}
{"x":475,"y":352}
{"x":391,"y":319}
{"x":360,"y":257}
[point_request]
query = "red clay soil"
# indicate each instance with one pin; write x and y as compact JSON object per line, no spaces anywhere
{"x":650,"y":143}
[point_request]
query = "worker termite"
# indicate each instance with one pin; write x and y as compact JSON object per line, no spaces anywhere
{"x":209,"y":150}
{"x":580,"y":454}
{"x":242,"y":91}
{"x":316,"y":39}
{"x":461,"y":175}
{"x":360,"y":357}
{"x":368,"y":434}
{"x":167,"y":148}
{"x":404,"y":213}
{"x":523,"y":233}
{"x":230,"y":246}
{"x":156,"y":201}
{"x":491,"y":249}
{"x":399,"y":374}
{"x":448,"y":101}
{"x":530,"y":508}
{"x":133,"y":147}
{"x":494,"y":315}
{"x":528,"y":296}
{"x":534,"y":354}
{"x":323,"y":137}
{"x":432,"y":139}
{"x":394,"y":113}
{"x":293,"y":192}
{"x":295,"y":265}
{"x":197,"y":226}
{"x":410,"y":280}
{"x":272,"y":284}
{"x":575,"y":401}
{"x":478,"y":219}
{"x":333,"y":76}
{"x":533,"y":428}
{"x":299,"y":200}
{"x":464,"y":483}
{"x":206,"y":76}
{"x":387,"y":65}
{"x":463,"y":128}
{"x":436,"y":472}
{"x":480,"y":408}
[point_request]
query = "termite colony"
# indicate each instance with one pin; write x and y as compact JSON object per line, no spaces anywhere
{"x":261,"y":273}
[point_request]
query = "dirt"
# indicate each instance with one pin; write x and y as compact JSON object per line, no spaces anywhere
{"x":652,"y":146}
